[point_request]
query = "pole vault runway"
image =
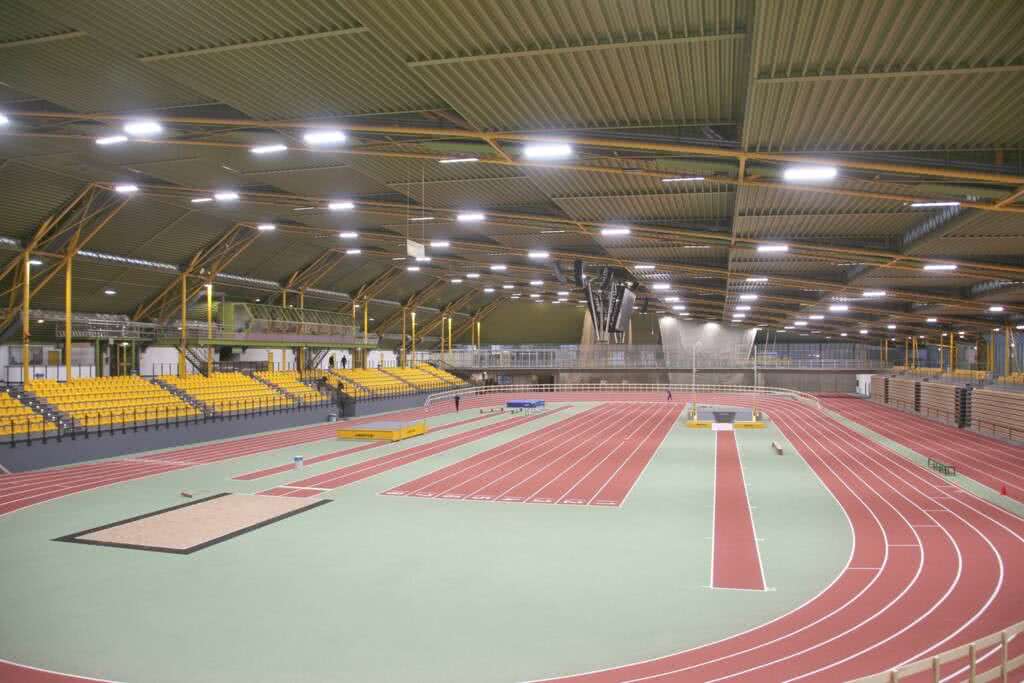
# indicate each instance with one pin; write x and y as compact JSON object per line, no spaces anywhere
{"x":930,"y":567}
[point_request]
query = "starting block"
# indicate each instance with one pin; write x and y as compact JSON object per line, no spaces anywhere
{"x":383,"y":431}
{"x":777,"y":447}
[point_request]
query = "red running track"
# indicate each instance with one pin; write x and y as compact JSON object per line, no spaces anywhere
{"x":593,"y":458}
{"x":929,"y":570}
{"x":368,"y":468}
{"x":735,"y":558}
{"x":269,"y":471}
{"x":987,"y":461}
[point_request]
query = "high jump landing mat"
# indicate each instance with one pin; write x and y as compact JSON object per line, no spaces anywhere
{"x":383,"y":431}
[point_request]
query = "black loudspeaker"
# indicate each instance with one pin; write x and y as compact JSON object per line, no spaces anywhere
{"x":577,"y":271}
{"x":644,"y":306}
{"x":559,"y":275}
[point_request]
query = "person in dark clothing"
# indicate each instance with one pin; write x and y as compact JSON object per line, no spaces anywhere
{"x":344,"y":362}
{"x":330,"y":362}
{"x":458,"y":399}
{"x":669,"y":392}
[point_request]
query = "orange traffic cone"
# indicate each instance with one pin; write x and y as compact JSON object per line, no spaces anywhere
{"x":1002,"y":490}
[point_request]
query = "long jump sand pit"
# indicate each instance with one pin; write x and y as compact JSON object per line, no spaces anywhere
{"x":192,"y":526}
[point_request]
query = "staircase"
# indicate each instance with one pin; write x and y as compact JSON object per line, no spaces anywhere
{"x":348,"y":380}
{"x":41,"y":406}
{"x":284,"y":392}
{"x":429,"y":369}
{"x":187,"y":398}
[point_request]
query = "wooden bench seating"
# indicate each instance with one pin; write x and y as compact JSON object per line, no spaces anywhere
{"x":998,"y":413}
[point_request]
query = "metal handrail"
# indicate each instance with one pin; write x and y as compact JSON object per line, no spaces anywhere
{"x":432,"y":399}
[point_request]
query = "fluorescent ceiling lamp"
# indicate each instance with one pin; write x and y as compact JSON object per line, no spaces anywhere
{"x":462,"y":160}
{"x":863,"y":331}
{"x":35,"y":262}
{"x":456,"y":280}
{"x":266,"y":227}
{"x":613,"y":232}
{"x":933,"y":320}
{"x":743,"y":308}
{"x":348,"y":235}
{"x":748,"y":297}
{"x":644,"y":266}
{"x":498,"y":266}
{"x":773,"y":247}
{"x":739,"y":316}
{"x":226,"y":196}
{"x":890,"y":327}
{"x":268,"y":149}
{"x":795,"y":174}
{"x":679,"y":307}
{"x":474,"y":217}
{"x":110,"y":292}
{"x":800,"y":323}
{"x":4,"y":120}
{"x":341,"y":206}
{"x":842,"y":334}
{"x":353,"y":252}
{"x":563,"y":293}
{"x":111,"y":140}
{"x":547,"y":150}
{"x":757,"y":279}
{"x":536,"y":283}
{"x":489,"y":290}
{"x":127,"y":188}
{"x":535,"y":296}
{"x":788,"y":327}
{"x":422,"y":218}
{"x":670,"y":299}
{"x":929,"y":205}
{"x":143,"y":128}
{"x":1020,"y":327}
{"x":472,"y":276}
{"x":538,"y":254}
{"x":202,"y":200}
{"x":423,"y":259}
{"x":661,"y":286}
{"x":995,"y":309}
{"x":816,"y":316}
{"x":319,"y":138}
{"x":682,"y":180}
{"x":412,"y":269}
{"x":508,"y":286}
{"x":941,"y":266}
{"x":996,"y":329}
{"x":439,"y":244}
{"x":838,"y":308}
{"x":874,"y":293}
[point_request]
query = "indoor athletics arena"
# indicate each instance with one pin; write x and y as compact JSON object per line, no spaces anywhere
{"x":511,"y":341}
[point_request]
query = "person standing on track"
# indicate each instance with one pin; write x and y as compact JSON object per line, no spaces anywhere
{"x":458,"y":399}
{"x":669,"y":392}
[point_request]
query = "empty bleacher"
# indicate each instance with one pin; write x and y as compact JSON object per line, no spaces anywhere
{"x":289,"y":381}
{"x":229,"y":392}
{"x":111,"y":400}
{"x":1013,"y":378}
{"x":421,"y":379}
{"x":17,"y":418}
{"x":442,"y":374}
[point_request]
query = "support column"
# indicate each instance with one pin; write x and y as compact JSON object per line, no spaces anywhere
{"x":98,"y":360}
{"x":302,"y":349}
{"x":184,"y":326}
{"x":209,"y":329}
{"x":26,"y":299}
{"x":402,"y":359}
{"x":479,"y":341}
{"x":366,"y":330}
{"x":412,"y":314}
{"x":67,"y":313}
{"x":1008,"y":335}
{"x":952,"y":351}
{"x":450,"y":334}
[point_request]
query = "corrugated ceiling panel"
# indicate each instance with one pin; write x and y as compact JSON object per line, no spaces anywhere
{"x":562,"y":183}
{"x":633,"y":86}
{"x":755,"y":201}
{"x":844,"y":226}
{"x":689,"y":206}
{"x":275,"y":256}
{"x":84,"y":75}
{"x":654,"y":253}
{"x":482,"y":194}
{"x":135,"y":227}
{"x":165,"y":26}
{"x":326,"y":77}
{"x":30,"y":195}
{"x":984,"y":234}
{"x":401,"y":170}
{"x":423,"y":29}
{"x":20,"y":21}
{"x":336,"y":181}
{"x":133,"y":286}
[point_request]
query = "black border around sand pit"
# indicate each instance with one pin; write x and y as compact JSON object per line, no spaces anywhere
{"x":77,"y":536}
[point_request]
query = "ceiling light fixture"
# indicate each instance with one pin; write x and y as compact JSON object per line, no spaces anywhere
{"x":538,"y":254}
{"x":473,"y":217}
{"x":110,"y":292}
{"x":423,"y":259}
{"x":353,"y":252}
{"x":743,"y":308}
{"x":795,"y":174}
{"x":422,"y":218}
{"x":661,"y":286}
{"x":547,"y":150}
{"x":226,"y":196}
{"x":995,"y":309}
{"x":461,"y":160}
{"x":440,"y":244}
{"x":816,"y":316}
{"x":874,"y":293}
{"x":498,"y":266}
{"x":778,"y":248}
{"x":536,"y":283}
{"x":757,"y":279}
{"x":940,"y":266}
{"x":472,"y":276}
{"x":682,"y":179}
{"x":932,"y":320}
{"x":800,"y":323}
{"x":412,"y":269}
{"x":838,"y":308}
{"x":266,"y":227}
{"x":127,"y":188}
{"x":930,"y":205}
{"x":644,"y":266}
{"x":144,"y":128}
{"x":348,"y":235}
{"x":748,"y":297}
{"x":111,"y":140}
{"x":320,"y":138}
{"x":341,"y":205}
{"x":268,"y":149}
{"x":456,"y":280}
{"x":614,"y":232}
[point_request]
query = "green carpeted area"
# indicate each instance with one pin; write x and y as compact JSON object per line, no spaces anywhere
{"x":386,"y":588}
